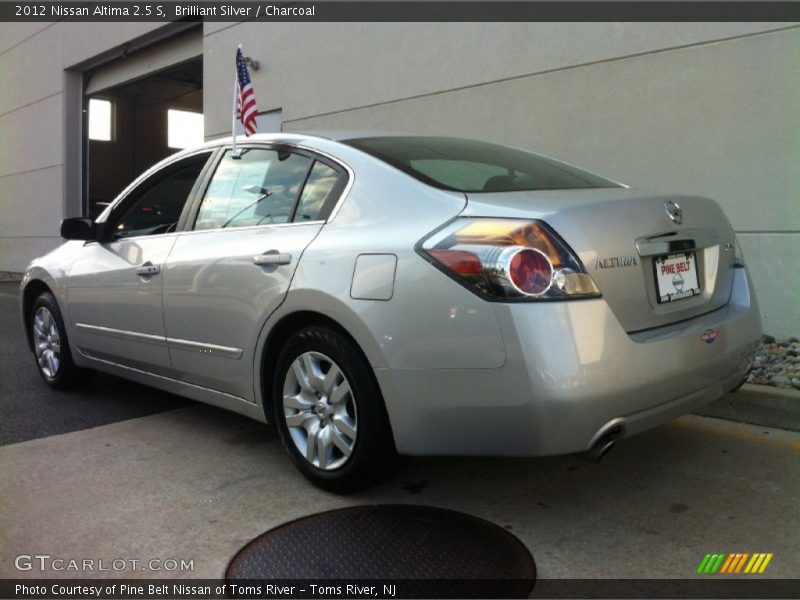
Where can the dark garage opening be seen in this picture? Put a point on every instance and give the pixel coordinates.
(131, 126)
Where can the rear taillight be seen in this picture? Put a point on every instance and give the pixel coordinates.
(509, 259)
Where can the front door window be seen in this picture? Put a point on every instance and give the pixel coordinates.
(156, 205)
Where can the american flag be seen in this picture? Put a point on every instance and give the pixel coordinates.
(246, 98)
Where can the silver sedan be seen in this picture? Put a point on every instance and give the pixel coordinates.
(381, 295)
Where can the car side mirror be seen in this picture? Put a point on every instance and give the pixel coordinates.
(77, 228)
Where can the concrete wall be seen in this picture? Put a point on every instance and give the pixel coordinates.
(710, 109)
(33, 60)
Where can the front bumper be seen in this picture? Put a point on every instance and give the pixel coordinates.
(571, 373)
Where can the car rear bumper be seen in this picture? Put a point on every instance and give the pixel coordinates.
(571, 374)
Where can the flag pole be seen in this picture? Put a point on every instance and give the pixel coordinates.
(233, 117)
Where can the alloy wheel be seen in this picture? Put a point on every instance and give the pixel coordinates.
(47, 342)
(320, 410)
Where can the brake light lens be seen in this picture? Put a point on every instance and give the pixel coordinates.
(458, 261)
(530, 271)
(509, 260)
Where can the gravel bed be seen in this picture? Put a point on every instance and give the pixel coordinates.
(777, 363)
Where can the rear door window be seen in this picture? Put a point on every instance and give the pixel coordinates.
(322, 189)
(259, 187)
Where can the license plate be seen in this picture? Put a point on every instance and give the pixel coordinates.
(676, 276)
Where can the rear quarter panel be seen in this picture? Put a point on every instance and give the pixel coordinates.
(430, 321)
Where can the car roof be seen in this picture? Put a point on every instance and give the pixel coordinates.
(335, 135)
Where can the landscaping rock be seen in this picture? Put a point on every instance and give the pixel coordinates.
(776, 363)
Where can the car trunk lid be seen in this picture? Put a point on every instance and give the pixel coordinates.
(626, 239)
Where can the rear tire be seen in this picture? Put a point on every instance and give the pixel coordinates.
(329, 412)
(51, 347)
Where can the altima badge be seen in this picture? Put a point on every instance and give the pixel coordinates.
(674, 211)
(615, 261)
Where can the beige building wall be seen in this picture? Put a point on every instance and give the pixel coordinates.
(34, 59)
(698, 108)
(710, 108)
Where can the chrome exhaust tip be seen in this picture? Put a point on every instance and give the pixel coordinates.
(603, 445)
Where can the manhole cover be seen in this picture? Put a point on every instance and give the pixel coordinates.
(426, 551)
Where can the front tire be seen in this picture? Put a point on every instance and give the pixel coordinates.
(330, 413)
(51, 348)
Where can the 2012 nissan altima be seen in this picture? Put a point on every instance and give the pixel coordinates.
(376, 295)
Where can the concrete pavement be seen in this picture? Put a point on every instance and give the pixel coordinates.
(196, 483)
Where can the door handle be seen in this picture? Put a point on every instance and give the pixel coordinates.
(148, 269)
(273, 257)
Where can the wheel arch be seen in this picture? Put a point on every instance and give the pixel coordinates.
(283, 327)
(32, 290)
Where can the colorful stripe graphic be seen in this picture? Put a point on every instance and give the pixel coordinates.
(734, 563)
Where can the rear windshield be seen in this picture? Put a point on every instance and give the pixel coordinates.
(471, 166)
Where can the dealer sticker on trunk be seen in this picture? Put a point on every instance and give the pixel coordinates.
(676, 276)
